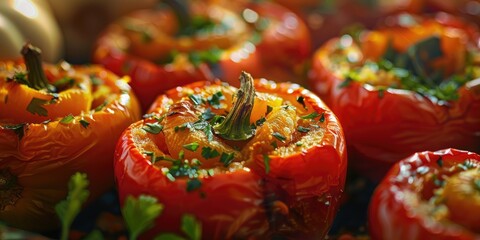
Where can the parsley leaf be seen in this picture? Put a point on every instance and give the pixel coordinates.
(207, 115)
(191, 146)
(227, 158)
(196, 99)
(209, 153)
(67, 119)
(303, 129)
(279, 136)
(18, 129)
(191, 227)
(84, 123)
(215, 99)
(140, 214)
(153, 128)
(312, 115)
(35, 107)
(69, 208)
(193, 184)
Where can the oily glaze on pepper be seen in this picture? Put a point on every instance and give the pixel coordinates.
(266, 161)
(407, 87)
(429, 195)
(56, 120)
(160, 50)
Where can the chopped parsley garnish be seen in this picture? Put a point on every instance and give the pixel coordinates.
(209, 153)
(96, 81)
(152, 156)
(312, 115)
(440, 162)
(18, 129)
(468, 164)
(215, 99)
(207, 114)
(191, 146)
(193, 184)
(322, 118)
(101, 106)
(208, 132)
(153, 128)
(269, 109)
(227, 158)
(279, 136)
(19, 77)
(301, 100)
(196, 99)
(84, 123)
(260, 121)
(212, 55)
(303, 129)
(414, 71)
(36, 107)
(266, 161)
(67, 119)
(65, 81)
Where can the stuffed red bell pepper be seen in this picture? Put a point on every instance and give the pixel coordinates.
(171, 46)
(407, 87)
(429, 195)
(56, 120)
(267, 160)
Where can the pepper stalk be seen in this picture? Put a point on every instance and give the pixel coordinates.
(236, 125)
(36, 76)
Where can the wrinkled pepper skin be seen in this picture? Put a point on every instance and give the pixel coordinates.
(428, 195)
(38, 154)
(274, 44)
(383, 125)
(296, 196)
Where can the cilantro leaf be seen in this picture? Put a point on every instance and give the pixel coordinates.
(36, 107)
(69, 208)
(140, 214)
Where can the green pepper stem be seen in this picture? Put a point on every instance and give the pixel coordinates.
(36, 76)
(236, 125)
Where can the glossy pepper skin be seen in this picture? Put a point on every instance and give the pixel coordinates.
(153, 47)
(384, 124)
(428, 195)
(47, 136)
(280, 181)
